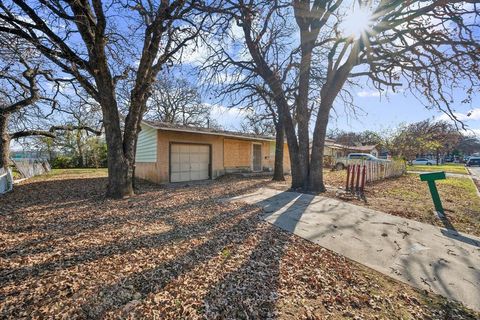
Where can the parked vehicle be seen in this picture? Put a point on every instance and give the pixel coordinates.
(424, 161)
(342, 163)
(473, 161)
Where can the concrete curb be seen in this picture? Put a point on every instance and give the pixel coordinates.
(473, 181)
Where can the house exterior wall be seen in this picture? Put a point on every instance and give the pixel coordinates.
(147, 145)
(237, 155)
(228, 154)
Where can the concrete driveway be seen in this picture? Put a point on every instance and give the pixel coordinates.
(427, 257)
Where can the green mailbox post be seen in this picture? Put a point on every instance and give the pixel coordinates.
(430, 178)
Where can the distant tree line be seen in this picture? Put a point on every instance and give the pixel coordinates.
(411, 140)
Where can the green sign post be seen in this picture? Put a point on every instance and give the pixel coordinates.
(430, 178)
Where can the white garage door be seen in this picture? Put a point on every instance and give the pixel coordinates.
(189, 162)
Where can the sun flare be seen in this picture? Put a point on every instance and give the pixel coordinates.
(357, 22)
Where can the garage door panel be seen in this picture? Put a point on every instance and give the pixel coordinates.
(184, 157)
(175, 157)
(175, 176)
(175, 167)
(185, 176)
(185, 166)
(199, 167)
(189, 162)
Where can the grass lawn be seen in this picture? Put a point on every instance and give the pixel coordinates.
(177, 252)
(90, 172)
(448, 167)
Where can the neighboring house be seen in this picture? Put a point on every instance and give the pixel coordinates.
(337, 150)
(174, 153)
(333, 149)
(365, 149)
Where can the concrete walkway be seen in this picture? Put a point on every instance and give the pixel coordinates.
(422, 255)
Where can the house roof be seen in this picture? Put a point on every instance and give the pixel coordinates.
(192, 129)
(363, 148)
(332, 144)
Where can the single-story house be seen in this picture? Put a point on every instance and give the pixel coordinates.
(337, 150)
(175, 153)
(372, 149)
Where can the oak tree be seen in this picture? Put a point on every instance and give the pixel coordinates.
(101, 43)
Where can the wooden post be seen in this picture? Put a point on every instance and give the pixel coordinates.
(352, 178)
(348, 177)
(357, 183)
(364, 176)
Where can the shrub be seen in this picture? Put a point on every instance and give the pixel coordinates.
(63, 162)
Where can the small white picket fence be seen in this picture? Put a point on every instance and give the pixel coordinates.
(31, 167)
(380, 170)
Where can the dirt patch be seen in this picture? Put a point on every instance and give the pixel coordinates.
(178, 252)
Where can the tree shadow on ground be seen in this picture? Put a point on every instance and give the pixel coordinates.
(251, 291)
(262, 269)
(66, 203)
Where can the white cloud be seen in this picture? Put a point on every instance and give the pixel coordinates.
(377, 93)
(473, 115)
(368, 93)
(229, 118)
(471, 132)
(195, 54)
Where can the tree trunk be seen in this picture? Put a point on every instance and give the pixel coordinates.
(315, 183)
(120, 169)
(328, 93)
(302, 110)
(289, 130)
(81, 163)
(279, 149)
(4, 141)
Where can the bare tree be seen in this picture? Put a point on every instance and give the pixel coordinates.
(27, 87)
(259, 124)
(175, 100)
(264, 119)
(431, 46)
(90, 41)
(424, 137)
(79, 113)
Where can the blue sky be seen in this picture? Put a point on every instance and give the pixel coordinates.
(376, 113)
(380, 113)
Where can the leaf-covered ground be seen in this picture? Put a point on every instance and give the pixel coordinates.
(178, 253)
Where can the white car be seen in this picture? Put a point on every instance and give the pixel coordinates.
(424, 161)
(341, 163)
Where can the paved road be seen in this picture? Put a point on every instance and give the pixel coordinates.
(427, 257)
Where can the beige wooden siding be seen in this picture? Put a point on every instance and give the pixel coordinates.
(237, 153)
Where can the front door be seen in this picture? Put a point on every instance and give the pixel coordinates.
(257, 157)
